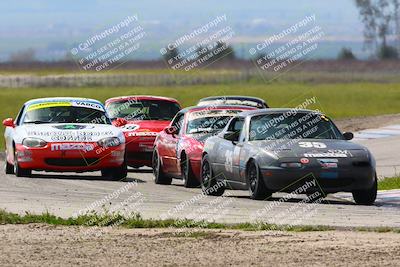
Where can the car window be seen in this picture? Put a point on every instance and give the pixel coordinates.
(51, 113)
(178, 122)
(18, 119)
(236, 125)
(295, 126)
(134, 109)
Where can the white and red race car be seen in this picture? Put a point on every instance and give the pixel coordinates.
(64, 135)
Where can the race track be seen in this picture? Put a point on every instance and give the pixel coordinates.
(68, 194)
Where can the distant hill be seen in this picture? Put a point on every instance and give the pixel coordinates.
(52, 27)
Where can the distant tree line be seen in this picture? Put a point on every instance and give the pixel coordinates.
(381, 19)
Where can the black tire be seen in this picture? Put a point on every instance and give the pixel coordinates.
(8, 168)
(368, 196)
(18, 171)
(115, 174)
(209, 184)
(189, 179)
(257, 188)
(159, 175)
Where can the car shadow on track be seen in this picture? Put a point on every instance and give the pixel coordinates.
(299, 200)
(140, 170)
(82, 177)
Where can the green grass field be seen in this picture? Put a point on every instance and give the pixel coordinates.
(336, 100)
(389, 183)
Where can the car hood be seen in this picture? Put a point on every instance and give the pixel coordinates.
(313, 148)
(69, 132)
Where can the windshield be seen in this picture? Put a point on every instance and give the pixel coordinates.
(134, 109)
(298, 126)
(209, 120)
(65, 114)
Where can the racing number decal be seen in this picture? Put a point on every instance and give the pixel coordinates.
(228, 160)
(312, 145)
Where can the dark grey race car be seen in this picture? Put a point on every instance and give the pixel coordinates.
(273, 150)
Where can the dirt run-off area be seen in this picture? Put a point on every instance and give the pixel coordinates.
(361, 123)
(46, 245)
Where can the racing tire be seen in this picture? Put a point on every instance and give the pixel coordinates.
(366, 197)
(257, 187)
(8, 168)
(159, 175)
(209, 184)
(189, 179)
(115, 174)
(20, 172)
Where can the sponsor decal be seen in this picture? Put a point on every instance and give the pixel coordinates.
(79, 136)
(87, 104)
(213, 113)
(328, 154)
(71, 146)
(328, 163)
(304, 160)
(73, 103)
(143, 134)
(130, 127)
(231, 102)
(76, 138)
(49, 105)
(39, 133)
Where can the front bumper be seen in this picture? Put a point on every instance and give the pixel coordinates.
(64, 160)
(139, 150)
(328, 180)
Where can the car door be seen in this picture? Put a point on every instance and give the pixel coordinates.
(169, 145)
(230, 158)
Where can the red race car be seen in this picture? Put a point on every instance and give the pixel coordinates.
(141, 118)
(178, 149)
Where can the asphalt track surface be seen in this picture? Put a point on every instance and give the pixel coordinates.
(70, 194)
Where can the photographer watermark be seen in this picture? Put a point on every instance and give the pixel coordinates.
(110, 47)
(279, 212)
(290, 46)
(200, 47)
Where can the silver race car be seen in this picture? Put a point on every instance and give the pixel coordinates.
(271, 150)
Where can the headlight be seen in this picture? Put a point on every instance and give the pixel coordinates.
(291, 165)
(34, 142)
(109, 142)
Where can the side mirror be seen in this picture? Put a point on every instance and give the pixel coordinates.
(9, 122)
(119, 122)
(348, 135)
(171, 130)
(231, 136)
